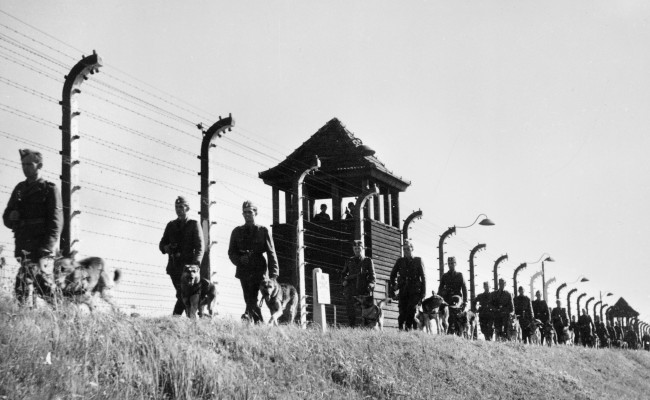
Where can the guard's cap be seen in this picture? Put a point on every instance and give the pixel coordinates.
(30, 156)
(181, 201)
(358, 243)
(249, 204)
(407, 242)
(450, 259)
(502, 280)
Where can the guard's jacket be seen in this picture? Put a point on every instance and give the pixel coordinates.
(523, 308)
(359, 275)
(502, 302)
(411, 280)
(253, 241)
(40, 222)
(540, 310)
(485, 301)
(186, 241)
(559, 316)
(452, 284)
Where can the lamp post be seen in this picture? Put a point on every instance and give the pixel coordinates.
(532, 283)
(300, 242)
(542, 259)
(472, 288)
(514, 276)
(496, 269)
(441, 253)
(578, 302)
(568, 301)
(562, 286)
(600, 295)
(592, 298)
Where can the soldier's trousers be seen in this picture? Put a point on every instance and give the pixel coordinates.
(500, 324)
(251, 288)
(487, 325)
(407, 307)
(179, 307)
(351, 306)
(35, 278)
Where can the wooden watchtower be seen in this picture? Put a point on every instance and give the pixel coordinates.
(348, 168)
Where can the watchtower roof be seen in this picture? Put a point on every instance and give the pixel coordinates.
(344, 158)
(622, 309)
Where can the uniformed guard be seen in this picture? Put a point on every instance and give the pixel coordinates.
(358, 279)
(183, 243)
(248, 244)
(485, 311)
(586, 328)
(408, 277)
(524, 312)
(560, 320)
(452, 283)
(503, 307)
(35, 215)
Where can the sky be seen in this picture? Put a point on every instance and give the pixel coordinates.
(533, 114)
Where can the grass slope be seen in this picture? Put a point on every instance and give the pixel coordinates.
(106, 356)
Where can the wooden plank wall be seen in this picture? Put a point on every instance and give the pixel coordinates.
(327, 245)
(385, 244)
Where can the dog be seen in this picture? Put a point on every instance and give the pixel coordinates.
(80, 281)
(372, 313)
(433, 309)
(197, 294)
(550, 336)
(513, 328)
(280, 298)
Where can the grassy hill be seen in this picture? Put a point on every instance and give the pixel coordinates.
(107, 356)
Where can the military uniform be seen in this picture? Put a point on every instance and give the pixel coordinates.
(611, 332)
(559, 319)
(452, 284)
(503, 307)
(248, 244)
(186, 247)
(603, 336)
(524, 311)
(485, 314)
(358, 279)
(540, 312)
(411, 284)
(585, 326)
(37, 231)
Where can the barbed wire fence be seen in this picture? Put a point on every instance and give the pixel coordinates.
(138, 152)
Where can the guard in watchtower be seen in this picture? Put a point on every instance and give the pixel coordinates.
(407, 276)
(453, 284)
(358, 279)
(35, 215)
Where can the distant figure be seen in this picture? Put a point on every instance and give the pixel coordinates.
(586, 328)
(485, 311)
(408, 277)
(182, 241)
(540, 311)
(349, 211)
(453, 283)
(35, 215)
(358, 279)
(560, 320)
(524, 312)
(503, 307)
(322, 215)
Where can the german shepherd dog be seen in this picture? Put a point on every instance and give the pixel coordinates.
(513, 329)
(197, 293)
(280, 298)
(80, 281)
(372, 313)
(550, 336)
(434, 309)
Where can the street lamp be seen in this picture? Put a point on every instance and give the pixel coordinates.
(441, 253)
(472, 288)
(496, 269)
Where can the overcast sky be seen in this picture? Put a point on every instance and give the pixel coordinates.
(535, 114)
